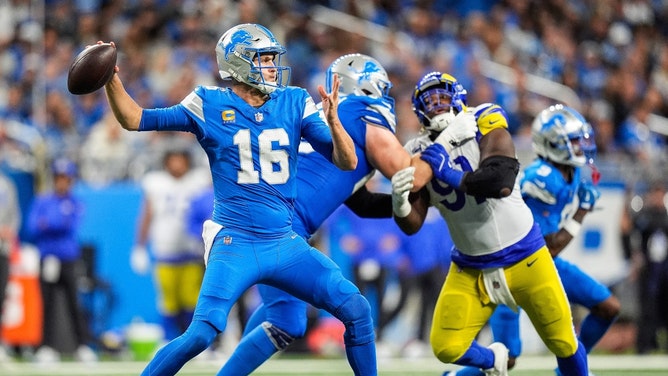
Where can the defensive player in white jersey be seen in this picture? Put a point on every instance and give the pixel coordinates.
(251, 133)
(554, 188)
(176, 258)
(500, 256)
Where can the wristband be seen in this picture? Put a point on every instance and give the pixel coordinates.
(572, 227)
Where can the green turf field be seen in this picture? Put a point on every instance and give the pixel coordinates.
(601, 365)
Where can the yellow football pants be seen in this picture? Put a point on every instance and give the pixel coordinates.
(178, 286)
(463, 307)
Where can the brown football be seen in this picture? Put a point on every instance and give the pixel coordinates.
(91, 69)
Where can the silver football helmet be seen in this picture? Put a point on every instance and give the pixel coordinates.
(562, 135)
(360, 75)
(238, 54)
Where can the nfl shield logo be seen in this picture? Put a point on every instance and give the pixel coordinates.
(259, 116)
(227, 240)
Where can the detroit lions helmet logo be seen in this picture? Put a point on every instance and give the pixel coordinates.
(365, 73)
(242, 37)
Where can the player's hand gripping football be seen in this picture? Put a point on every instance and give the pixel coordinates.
(402, 183)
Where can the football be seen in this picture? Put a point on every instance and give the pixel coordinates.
(91, 69)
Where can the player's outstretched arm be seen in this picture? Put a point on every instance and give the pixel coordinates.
(366, 204)
(343, 155)
(125, 109)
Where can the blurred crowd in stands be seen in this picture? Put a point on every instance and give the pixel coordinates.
(606, 58)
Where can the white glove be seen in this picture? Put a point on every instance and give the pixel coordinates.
(463, 127)
(140, 262)
(402, 183)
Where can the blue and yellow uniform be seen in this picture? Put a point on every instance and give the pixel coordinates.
(500, 256)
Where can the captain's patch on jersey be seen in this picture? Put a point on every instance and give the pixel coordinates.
(228, 116)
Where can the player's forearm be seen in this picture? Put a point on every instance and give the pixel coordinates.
(556, 242)
(411, 223)
(343, 155)
(423, 173)
(125, 109)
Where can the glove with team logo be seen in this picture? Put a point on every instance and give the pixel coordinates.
(439, 160)
(587, 195)
(402, 183)
(462, 128)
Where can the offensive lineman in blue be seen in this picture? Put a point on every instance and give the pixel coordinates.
(559, 198)
(251, 134)
(367, 113)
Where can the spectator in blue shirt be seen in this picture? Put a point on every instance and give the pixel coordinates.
(53, 222)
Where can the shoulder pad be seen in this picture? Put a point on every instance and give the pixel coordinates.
(541, 181)
(490, 116)
(418, 144)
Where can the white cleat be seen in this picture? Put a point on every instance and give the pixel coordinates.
(85, 354)
(47, 355)
(500, 360)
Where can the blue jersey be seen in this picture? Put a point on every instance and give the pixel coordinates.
(252, 151)
(550, 197)
(200, 210)
(323, 187)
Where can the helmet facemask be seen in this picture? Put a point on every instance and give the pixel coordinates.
(437, 99)
(241, 55)
(437, 102)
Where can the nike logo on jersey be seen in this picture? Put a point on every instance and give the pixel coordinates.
(531, 262)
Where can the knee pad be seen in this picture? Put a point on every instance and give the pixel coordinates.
(278, 337)
(355, 313)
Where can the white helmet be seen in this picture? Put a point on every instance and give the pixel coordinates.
(236, 50)
(552, 134)
(360, 75)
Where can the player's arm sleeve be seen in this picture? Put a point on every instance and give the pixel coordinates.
(184, 116)
(495, 173)
(368, 204)
(173, 118)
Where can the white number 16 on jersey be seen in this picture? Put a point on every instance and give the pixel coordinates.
(274, 168)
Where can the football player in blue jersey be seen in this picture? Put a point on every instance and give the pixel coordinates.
(559, 198)
(500, 256)
(367, 113)
(251, 133)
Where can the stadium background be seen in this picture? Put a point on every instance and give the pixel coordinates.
(606, 58)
